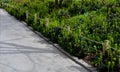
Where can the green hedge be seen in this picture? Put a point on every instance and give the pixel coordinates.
(82, 28)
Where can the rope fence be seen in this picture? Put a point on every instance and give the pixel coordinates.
(86, 38)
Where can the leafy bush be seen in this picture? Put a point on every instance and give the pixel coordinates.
(87, 29)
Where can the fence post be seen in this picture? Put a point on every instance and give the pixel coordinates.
(27, 14)
(35, 18)
(68, 28)
(47, 22)
(106, 45)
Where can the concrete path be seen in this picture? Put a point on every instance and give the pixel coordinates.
(21, 50)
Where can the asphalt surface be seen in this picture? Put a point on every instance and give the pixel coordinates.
(21, 50)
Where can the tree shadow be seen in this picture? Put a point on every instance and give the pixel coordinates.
(18, 49)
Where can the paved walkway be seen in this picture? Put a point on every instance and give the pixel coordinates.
(21, 50)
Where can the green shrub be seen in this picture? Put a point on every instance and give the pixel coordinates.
(80, 27)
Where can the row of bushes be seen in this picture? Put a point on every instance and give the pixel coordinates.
(86, 29)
